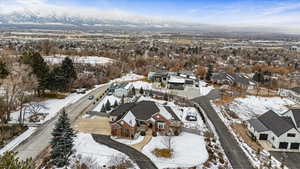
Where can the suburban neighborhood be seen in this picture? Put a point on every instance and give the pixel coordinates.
(149, 84)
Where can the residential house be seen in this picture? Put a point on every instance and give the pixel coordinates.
(176, 82)
(122, 89)
(233, 79)
(158, 76)
(282, 131)
(292, 93)
(129, 119)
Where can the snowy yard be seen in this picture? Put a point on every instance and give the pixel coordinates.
(128, 77)
(204, 88)
(128, 141)
(188, 151)
(251, 106)
(94, 60)
(95, 154)
(111, 99)
(51, 107)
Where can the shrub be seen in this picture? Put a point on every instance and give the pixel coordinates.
(154, 134)
(166, 153)
(176, 133)
(143, 133)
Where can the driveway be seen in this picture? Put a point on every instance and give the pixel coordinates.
(139, 158)
(291, 159)
(39, 141)
(233, 151)
(93, 125)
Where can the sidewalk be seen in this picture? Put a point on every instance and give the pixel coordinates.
(139, 146)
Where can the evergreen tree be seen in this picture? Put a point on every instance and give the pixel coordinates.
(3, 70)
(107, 105)
(209, 73)
(122, 99)
(39, 68)
(116, 103)
(56, 80)
(141, 90)
(11, 161)
(133, 91)
(103, 110)
(150, 93)
(69, 72)
(62, 141)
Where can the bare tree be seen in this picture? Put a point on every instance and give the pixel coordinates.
(168, 141)
(16, 86)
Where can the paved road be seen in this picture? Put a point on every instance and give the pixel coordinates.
(232, 149)
(39, 141)
(141, 160)
(291, 159)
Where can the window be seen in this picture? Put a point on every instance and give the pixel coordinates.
(291, 135)
(161, 125)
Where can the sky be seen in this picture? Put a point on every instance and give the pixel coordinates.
(263, 13)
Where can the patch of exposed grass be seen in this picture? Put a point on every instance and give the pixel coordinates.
(165, 153)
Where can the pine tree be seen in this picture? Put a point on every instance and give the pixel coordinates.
(141, 90)
(107, 105)
(209, 73)
(11, 161)
(116, 103)
(39, 67)
(3, 70)
(133, 91)
(103, 110)
(62, 141)
(68, 70)
(150, 93)
(122, 99)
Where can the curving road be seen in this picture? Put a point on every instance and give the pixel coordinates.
(233, 151)
(39, 141)
(139, 158)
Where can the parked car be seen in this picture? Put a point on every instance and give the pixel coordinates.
(191, 118)
(80, 91)
(91, 97)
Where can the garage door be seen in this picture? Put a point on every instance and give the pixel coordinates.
(295, 146)
(263, 137)
(283, 145)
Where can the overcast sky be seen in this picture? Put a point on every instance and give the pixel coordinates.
(263, 13)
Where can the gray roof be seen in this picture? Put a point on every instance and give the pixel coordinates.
(232, 78)
(296, 90)
(170, 110)
(279, 125)
(143, 110)
(121, 109)
(257, 125)
(296, 114)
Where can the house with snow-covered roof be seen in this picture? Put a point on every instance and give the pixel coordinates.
(292, 93)
(282, 131)
(129, 119)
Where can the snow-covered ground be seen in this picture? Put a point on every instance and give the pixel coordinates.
(128, 77)
(128, 141)
(188, 151)
(51, 107)
(94, 60)
(15, 142)
(96, 154)
(204, 88)
(111, 99)
(251, 106)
